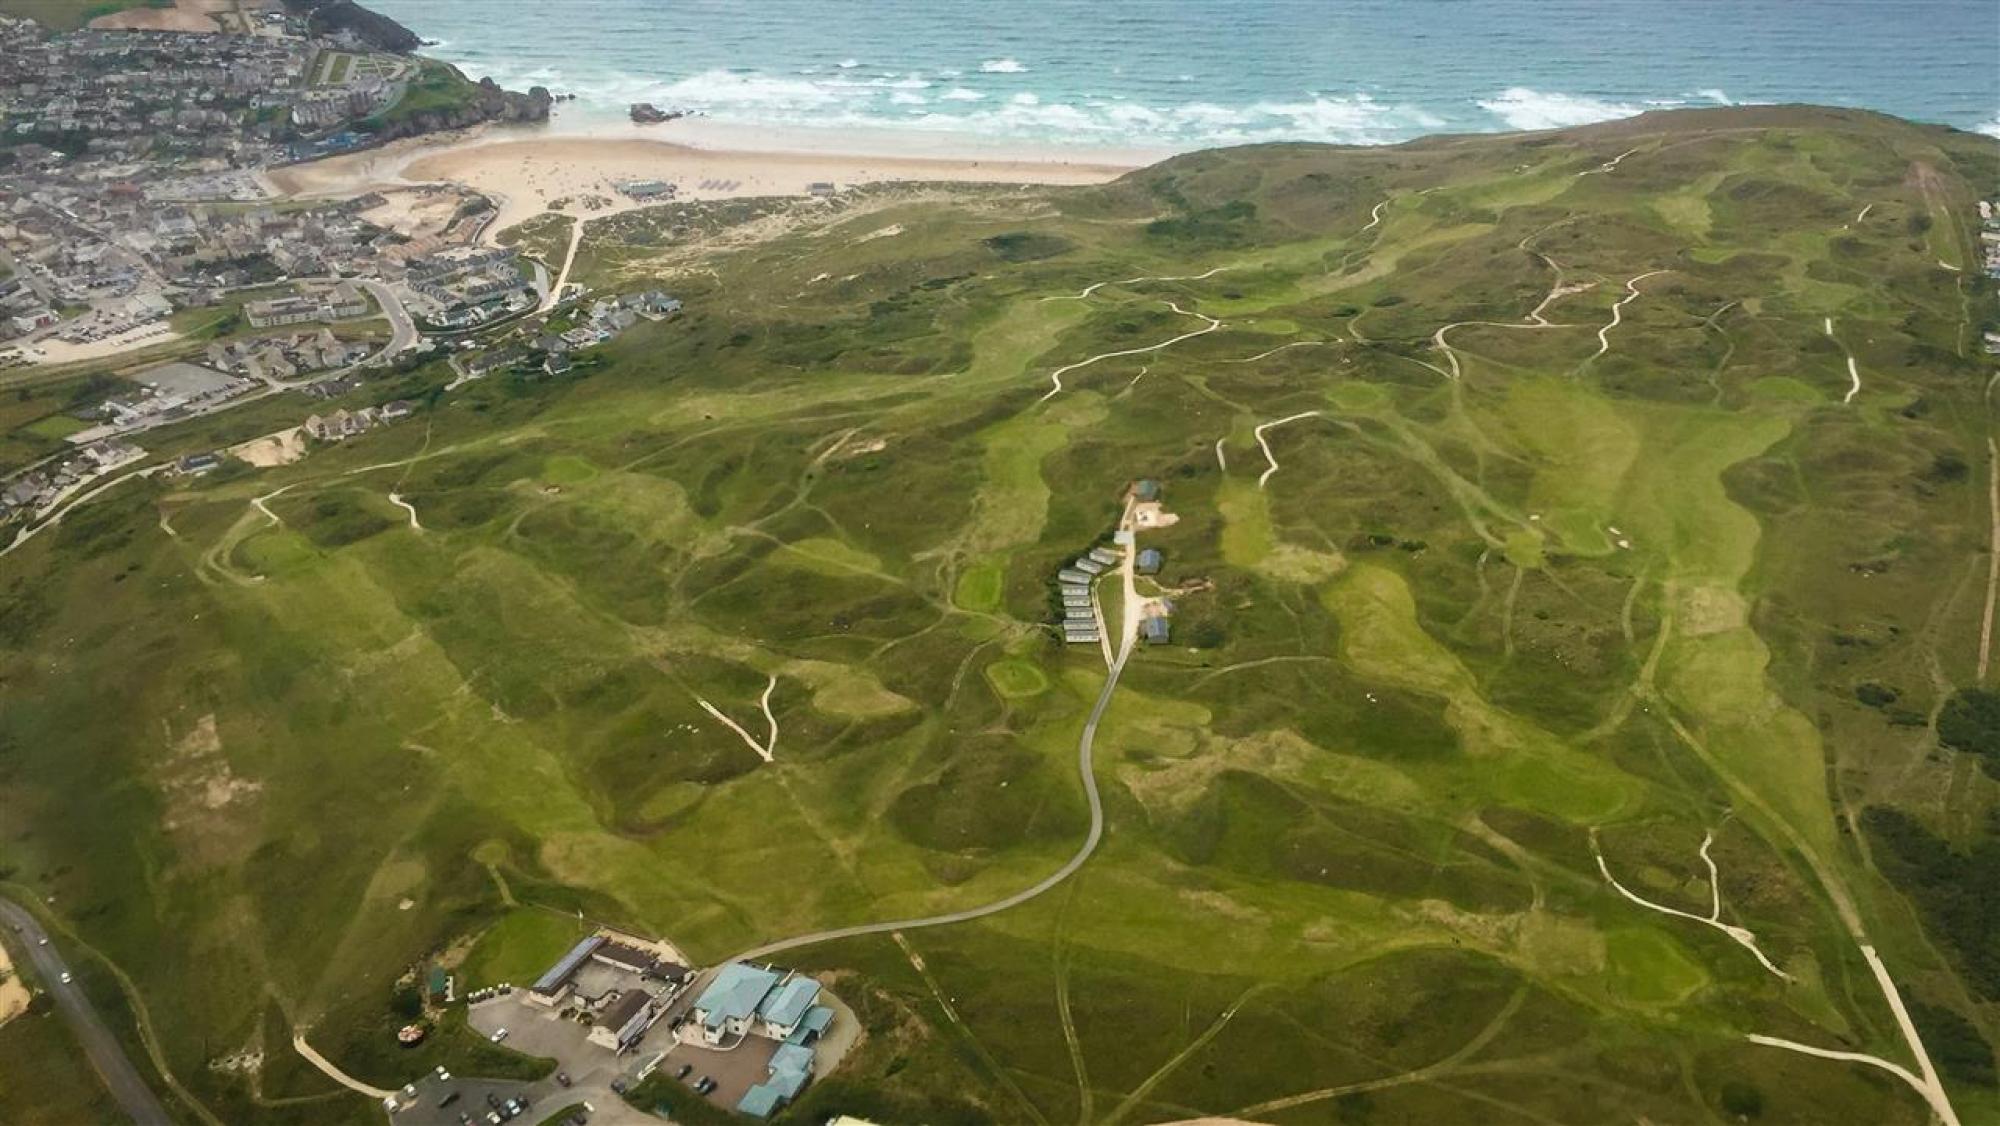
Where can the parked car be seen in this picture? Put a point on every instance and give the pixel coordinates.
(499, 1034)
(562, 1078)
(683, 1072)
(65, 977)
(618, 1085)
(449, 1098)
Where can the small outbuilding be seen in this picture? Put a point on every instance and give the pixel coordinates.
(1149, 561)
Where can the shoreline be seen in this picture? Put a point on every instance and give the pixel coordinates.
(529, 170)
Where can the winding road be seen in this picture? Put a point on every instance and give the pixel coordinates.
(1266, 446)
(1618, 311)
(1853, 369)
(1055, 377)
(106, 1055)
(1085, 770)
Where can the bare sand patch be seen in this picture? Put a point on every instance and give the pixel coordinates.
(422, 212)
(1711, 609)
(281, 448)
(207, 811)
(13, 995)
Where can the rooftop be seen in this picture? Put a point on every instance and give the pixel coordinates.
(735, 993)
(559, 973)
(789, 1003)
(628, 1005)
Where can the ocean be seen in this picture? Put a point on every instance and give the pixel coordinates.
(1157, 74)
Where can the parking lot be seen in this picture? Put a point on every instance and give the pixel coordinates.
(734, 1071)
(537, 1031)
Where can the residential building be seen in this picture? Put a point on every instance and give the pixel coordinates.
(338, 303)
(340, 425)
(1148, 562)
(627, 1019)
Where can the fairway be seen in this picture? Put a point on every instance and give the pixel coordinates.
(1548, 652)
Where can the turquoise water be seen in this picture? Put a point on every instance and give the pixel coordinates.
(1186, 75)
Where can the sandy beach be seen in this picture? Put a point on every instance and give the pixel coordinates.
(529, 172)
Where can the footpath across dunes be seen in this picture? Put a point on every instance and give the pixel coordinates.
(1543, 726)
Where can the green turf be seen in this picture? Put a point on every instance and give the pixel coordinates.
(1467, 627)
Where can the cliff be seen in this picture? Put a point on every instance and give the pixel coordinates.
(466, 104)
(332, 17)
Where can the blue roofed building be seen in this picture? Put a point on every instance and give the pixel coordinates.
(1146, 489)
(1154, 629)
(1149, 561)
(731, 1001)
(791, 1069)
(786, 1006)
(811, 1026)
(760, 1101)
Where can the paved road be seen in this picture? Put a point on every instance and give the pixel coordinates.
(106, 1054)
(1090, 842)
(403, 331)
(1083, 852)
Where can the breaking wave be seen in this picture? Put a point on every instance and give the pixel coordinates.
(1522, 108)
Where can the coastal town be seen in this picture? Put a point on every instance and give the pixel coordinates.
(134, 172)
(138, 218)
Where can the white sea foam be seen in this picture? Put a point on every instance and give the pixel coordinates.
(1522, 108)
(848, 64)
(1716, 96)
(961, 94)
(1003, 66)
(906, 98)
(1991, 128)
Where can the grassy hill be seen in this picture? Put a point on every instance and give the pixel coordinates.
(1584, 555)
(68, 15)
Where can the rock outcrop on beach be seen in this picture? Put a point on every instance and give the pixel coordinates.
(334, 17)
(646, 113)
(488, 103)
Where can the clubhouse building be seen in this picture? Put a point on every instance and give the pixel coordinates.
(746, 1001)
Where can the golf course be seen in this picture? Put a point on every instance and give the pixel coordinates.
(1577, 706)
